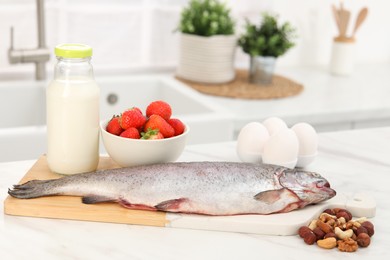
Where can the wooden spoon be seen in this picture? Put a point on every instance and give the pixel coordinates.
(336, 17)
(344, 20)
(359, 20)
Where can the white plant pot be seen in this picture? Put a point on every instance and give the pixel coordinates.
(207, 59)
(261, 69)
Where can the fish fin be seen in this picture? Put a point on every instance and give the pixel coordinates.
(171, 205)
(92, 199)
(269, 196)
(128, 205)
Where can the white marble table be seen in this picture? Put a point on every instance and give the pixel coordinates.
(352, 161)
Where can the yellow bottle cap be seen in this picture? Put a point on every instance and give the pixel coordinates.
(73, 50)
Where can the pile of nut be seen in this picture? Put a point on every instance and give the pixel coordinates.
(336, 228)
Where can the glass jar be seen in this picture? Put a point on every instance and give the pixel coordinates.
(72, 104)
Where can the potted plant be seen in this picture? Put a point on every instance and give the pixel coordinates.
(265, 44)
(207, 42)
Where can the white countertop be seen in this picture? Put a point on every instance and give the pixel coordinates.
(328, 102)
(353, 161)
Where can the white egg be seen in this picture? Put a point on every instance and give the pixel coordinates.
(282, 149)
(308, 143)
(307, 137)
(250, 142)
(274, 124)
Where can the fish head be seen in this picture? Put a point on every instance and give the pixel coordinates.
(310, 187)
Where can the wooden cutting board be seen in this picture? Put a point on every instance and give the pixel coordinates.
(69, 207)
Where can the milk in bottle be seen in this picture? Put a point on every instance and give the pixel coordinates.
(72, 100)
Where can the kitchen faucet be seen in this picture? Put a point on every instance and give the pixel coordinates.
(39, 55)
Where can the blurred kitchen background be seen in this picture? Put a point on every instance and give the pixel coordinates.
(139, 35)
(131, 38)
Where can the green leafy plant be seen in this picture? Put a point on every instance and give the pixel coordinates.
(206, 18)
(269, 39)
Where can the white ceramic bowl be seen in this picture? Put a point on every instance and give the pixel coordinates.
(128, 152)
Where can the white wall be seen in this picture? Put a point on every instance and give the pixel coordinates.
(134, 35)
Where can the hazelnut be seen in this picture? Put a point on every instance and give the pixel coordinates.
(370, 228)
(345, 215)
(363, 240)
(310, 238)
(319, 233)
(303, 230)
(336, 210)
(360, 230)
(367, 224)
(331, 234)
(329, 211)
(349, 214)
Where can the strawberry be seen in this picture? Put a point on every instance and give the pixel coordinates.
(138, 109)
(131, 132)
(152, 135)
(160, 108)
(177, 125)
(114, 126)
(132, 118)
(157, 122)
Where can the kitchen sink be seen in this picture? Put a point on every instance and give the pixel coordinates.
(23, 110)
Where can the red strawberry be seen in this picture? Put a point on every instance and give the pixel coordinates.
(177, 125)
(157, 122)
(160, 108)
(138, 109)
(132, 118)
(131, 132)
(114, 126)
(152, 135)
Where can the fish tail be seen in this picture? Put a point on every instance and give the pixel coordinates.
(32, 189)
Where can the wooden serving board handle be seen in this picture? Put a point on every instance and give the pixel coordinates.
(68, 207)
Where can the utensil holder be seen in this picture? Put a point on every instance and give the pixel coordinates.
(342, 59)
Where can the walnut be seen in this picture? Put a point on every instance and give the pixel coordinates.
(347, 245)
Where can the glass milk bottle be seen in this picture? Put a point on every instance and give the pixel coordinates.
(72, 101)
